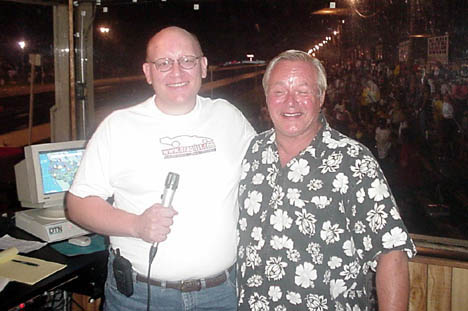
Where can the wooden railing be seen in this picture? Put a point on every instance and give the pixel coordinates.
(439, 275)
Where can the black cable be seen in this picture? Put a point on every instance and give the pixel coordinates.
(152, 254)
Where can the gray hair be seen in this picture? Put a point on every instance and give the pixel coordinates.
(296, 55)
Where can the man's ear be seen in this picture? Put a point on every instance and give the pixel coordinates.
(322, 99)
(147, 71)
(204, 66)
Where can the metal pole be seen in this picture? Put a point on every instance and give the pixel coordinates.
(31, 103)
(72, 70)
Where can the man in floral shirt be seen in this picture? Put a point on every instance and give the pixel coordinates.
(317, 214)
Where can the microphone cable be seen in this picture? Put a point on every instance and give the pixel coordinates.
(152, 254)
(170, 186)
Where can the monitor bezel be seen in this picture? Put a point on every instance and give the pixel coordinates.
(32, 158)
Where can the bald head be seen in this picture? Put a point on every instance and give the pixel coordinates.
(169, 32)
(177, 86)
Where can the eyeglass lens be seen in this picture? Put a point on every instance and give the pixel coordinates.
(165, 64)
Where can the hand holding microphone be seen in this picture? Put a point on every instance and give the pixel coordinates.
(157, 219)
(170, 186)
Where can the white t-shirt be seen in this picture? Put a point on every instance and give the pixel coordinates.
(129, 157)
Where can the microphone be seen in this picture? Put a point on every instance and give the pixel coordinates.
(170, 186)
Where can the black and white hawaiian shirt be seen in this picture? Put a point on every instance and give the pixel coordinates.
(310, 232)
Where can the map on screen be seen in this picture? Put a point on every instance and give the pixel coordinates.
(58, 169)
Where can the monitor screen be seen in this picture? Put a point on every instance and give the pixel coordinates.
(58, 169)
(46, 173)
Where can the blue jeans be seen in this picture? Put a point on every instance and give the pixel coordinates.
(219, 298)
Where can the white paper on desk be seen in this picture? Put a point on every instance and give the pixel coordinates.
(3, 282)
(23, 246)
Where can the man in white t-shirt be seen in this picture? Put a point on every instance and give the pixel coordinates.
(129, 157)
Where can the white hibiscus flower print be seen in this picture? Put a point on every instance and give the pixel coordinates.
(280, 220)
(293, 255)
(349, 248)
(364, 167)
(367, 241)
(254, 281)
(358, 169)
(377, 217)
(311, 150)
(332, 163)
(316, 302)
(275, 293)
(378, 190)
(315, 184)
(372, 166)
(396, 237)
(242, 189)
(340, 183)
(281, 308)
(252, 257)
(241, 295)
(252, 202)
(298, 170)
(263, 216)
(330, 233)
(314, 250)
(256, 145)
(271, 177)
(334, 262)
(359, 227)
(274, 268)
(258, 302)
(293, 298)
(294, 196)
(281, 242)
(242, 224)
(277, 197)
(268, 156)
(341, 207)
(337, 287)
(360, 195)
(258, 179)
(333, 143)
(353, 151)
(326, 276)
(339, 306)
(245, 168)
(395, 214)
(305, 275)
(321, 201)
(255, 165)
(256, 233)
(305, 222)
(351, 271)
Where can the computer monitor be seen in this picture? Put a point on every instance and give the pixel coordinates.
(47, 172)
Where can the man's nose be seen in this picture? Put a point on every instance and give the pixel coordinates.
(290, 99)
(176, 69)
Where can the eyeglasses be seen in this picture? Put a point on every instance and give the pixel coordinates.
(185, 62)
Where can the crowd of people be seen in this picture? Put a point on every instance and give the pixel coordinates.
(377, 103)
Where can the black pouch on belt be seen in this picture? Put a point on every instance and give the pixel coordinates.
(123, 274)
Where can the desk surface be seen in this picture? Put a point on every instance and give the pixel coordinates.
(16, 293)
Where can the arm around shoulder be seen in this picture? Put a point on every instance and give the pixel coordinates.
(392, 281)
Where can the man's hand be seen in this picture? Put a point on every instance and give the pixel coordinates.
(154, 224)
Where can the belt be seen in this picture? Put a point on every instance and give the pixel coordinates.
(189, 285)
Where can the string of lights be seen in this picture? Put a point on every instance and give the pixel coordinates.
(322, 43)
